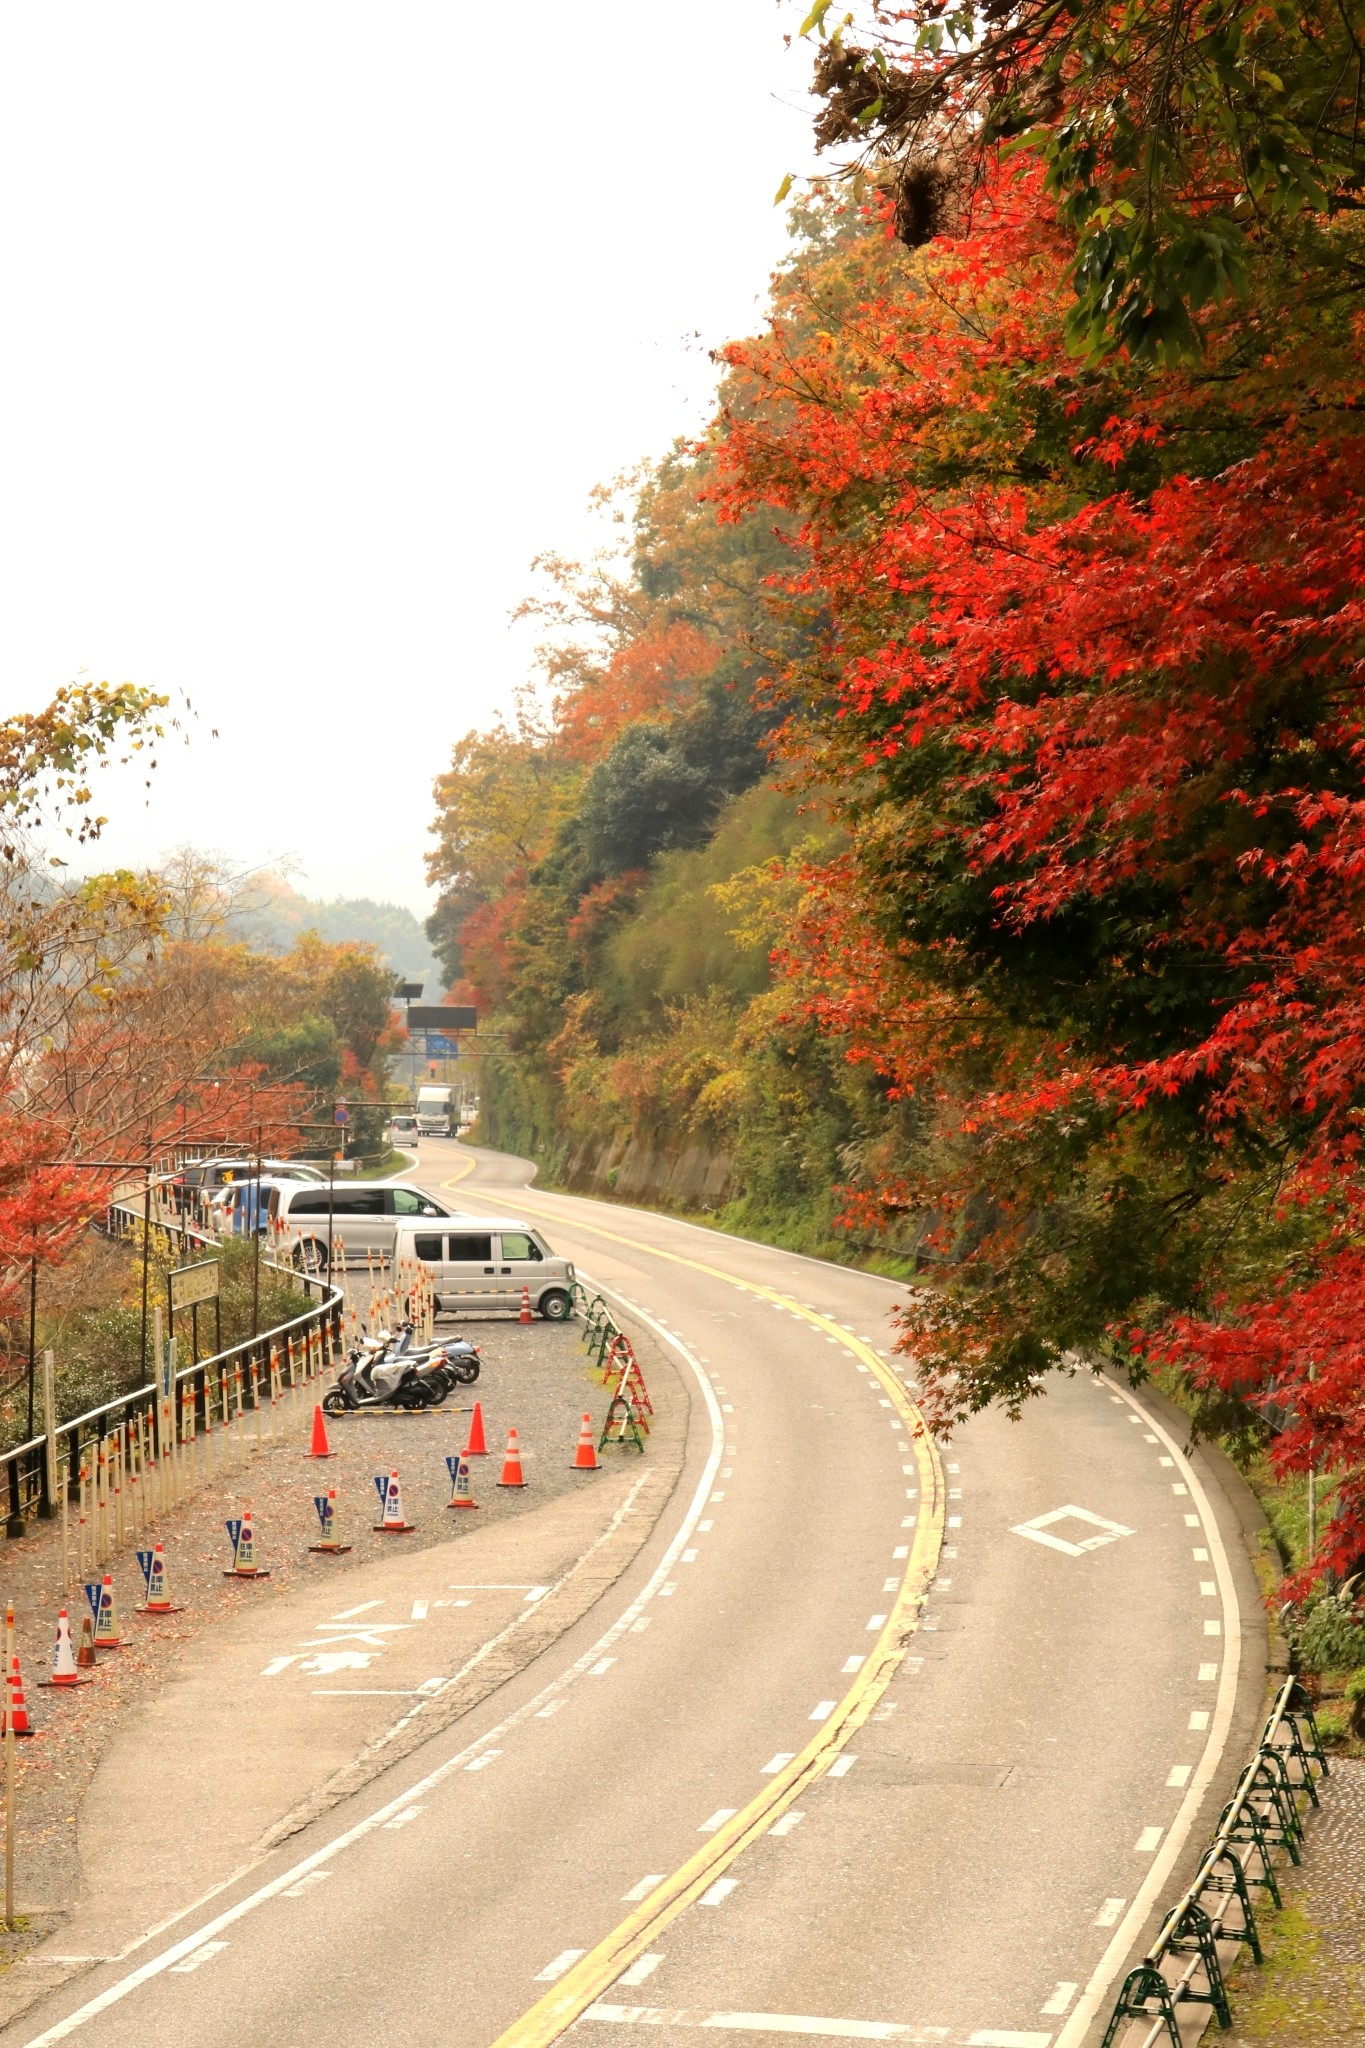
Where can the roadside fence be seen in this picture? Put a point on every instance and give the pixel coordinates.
(107, 1474)
(611, 1353)
(1206, 1931)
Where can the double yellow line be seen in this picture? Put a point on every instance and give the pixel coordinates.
(598, 1970)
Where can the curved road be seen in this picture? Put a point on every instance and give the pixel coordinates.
(761, 1788)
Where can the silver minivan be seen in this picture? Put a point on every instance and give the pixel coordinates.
(364, 1217)
(479, 1262)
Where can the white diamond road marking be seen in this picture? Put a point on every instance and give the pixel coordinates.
(1040, 1530)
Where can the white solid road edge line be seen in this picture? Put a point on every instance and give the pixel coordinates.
(1088, 2005)
(61, 2029)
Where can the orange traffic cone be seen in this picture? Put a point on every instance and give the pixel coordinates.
(64, 1671)
(85, 1655)
(319, 1448)
(511, 1464)
(525, 1316)
(585, 1458)
(476, 1447)
(18, 1711)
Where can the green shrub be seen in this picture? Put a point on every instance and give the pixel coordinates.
(1327, 1633)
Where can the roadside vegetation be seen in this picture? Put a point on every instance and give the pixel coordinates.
(135, 1023)
(91, 1318)
(943, 806)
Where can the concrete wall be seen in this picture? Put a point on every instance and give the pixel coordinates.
(689, 1177)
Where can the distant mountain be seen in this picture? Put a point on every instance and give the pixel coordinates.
(272, 917)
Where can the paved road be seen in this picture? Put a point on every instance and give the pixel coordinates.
(1004, 1783)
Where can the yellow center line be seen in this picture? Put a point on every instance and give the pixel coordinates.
(598, 1970)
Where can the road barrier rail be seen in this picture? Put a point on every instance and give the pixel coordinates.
(611, 1353)
(1215, 1918)
(147, 1449)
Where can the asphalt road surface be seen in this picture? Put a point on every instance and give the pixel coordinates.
(762, 1787)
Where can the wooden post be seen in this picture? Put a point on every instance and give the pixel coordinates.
(49, 1504)
(9, 1766)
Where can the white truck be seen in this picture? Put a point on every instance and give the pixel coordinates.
(437, 1113)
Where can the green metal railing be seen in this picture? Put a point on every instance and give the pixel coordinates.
(1264, 1817)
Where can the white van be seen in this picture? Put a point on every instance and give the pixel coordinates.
(364, 1217)
(481, 1262)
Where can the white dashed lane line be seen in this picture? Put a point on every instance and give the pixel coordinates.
(565, 1960)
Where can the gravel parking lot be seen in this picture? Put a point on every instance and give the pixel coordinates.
(533, 1378)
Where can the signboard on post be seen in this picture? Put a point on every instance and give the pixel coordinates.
(191, 1284)
(442, 1017)
(441, 1047)
(186, 1287)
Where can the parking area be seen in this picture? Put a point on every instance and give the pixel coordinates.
(534, 1378)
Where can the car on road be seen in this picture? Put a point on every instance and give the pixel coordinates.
(403, 1128)
(360, 1217)
(479, 1262)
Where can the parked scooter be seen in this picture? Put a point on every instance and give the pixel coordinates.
(379, 1373)
(461, 1357)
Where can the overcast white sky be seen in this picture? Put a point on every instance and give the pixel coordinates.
(321, 321)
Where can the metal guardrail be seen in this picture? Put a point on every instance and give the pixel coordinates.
(33, 1476)
(1184, 1967)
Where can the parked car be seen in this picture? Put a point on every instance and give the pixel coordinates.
(201, 1177)
(233, 1207)
(478, 1263)
(364, 1216)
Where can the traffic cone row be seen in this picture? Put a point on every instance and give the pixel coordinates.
(100, 1627)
